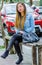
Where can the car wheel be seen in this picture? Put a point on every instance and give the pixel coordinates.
(37, 30)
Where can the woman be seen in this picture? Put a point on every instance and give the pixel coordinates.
(24, 23)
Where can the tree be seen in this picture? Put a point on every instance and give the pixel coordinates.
(2, 4)
(11, 1)
(31, 2)
(1, 25)
(6, 0)
(40, 2)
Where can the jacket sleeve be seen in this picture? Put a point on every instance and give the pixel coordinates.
(31, 23)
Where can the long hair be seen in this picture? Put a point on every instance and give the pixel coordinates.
(18, 16)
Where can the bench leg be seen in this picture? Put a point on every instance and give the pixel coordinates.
(40, 55)
(20, 47)
(12, 49)
(34, 55)
(6, 43)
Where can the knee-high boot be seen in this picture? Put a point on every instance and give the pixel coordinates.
(17, 48)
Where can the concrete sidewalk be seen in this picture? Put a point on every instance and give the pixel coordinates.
(1, 42)
(12, 58)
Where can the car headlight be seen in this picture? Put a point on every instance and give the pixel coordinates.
(12, 28)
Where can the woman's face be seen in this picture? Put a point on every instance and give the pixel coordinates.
(20, 8)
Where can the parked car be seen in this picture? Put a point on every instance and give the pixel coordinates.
(8, 14)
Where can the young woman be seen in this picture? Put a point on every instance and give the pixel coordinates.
(24, 23)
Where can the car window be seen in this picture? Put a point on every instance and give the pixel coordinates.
(40, 9)
(11, 9)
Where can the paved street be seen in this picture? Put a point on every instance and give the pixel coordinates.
(11, 59)
(1, 42)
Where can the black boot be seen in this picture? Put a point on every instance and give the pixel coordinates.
(20, 59)
(5, 54)
(18, 50)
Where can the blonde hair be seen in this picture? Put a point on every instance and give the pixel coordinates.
(18, 16)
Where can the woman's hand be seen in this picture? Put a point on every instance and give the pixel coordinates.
(21, 32)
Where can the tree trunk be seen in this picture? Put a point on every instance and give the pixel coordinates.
(1, 5)
(40, 2)
(31, 2)
(11, 1)
(6, 0)
(1, 25)
(0, 10)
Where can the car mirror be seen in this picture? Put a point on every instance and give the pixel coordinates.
(3, 15)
